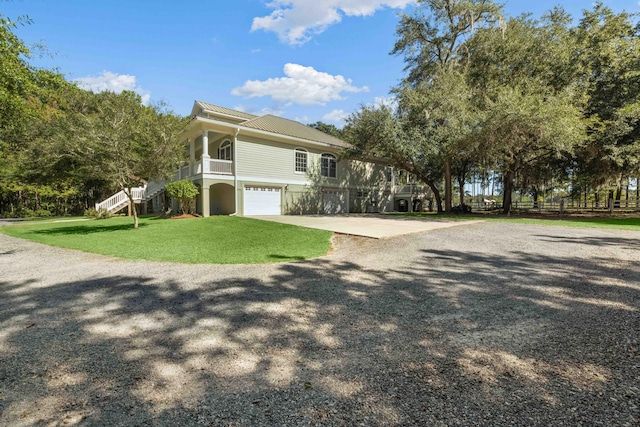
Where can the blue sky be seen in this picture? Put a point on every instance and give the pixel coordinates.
(307, 60)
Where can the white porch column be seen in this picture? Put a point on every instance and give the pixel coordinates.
(205, 200)
(205, 151)
(235, 170)
(192, 155)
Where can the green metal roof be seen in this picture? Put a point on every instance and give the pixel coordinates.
(210, 108)
(273, 124)
(292, 128)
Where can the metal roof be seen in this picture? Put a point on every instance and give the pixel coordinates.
(273, 124)
(292, 128)
(210, 108)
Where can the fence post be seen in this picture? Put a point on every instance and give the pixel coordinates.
(561, 206)
(611, 205)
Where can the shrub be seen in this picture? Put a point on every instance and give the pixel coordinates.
(101, 213)
(183, 191)
(42, 213)
(461, 209)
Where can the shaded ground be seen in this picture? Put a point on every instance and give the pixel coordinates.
(483, 324)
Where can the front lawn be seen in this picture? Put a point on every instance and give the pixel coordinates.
(45, 219)
(213, 240)
(565, 221)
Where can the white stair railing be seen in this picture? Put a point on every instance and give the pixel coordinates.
(120, 199)
(153, 188)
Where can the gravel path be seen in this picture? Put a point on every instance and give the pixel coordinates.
(484, 324)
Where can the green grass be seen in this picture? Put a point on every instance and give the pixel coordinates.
(213, 240)
(578, 222)
(48, 219)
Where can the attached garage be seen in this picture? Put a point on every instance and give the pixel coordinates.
(262, 201)
(335, 201)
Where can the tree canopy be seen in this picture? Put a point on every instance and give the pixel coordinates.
(529, 100)
(63, 148)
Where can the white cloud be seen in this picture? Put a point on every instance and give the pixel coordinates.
(336, 116)
(295, 21)
(302, 85)
(108, 81)
(389, 101)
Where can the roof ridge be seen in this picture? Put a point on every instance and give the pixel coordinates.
(241, 114)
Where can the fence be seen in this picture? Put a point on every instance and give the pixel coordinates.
(561, 205)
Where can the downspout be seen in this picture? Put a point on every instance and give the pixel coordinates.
(235, 169)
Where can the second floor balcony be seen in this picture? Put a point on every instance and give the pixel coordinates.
(205, 167)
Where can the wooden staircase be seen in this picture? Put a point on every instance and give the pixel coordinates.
(120, 200)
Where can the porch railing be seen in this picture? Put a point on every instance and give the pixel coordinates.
(222, 167)
(211, 166)
(183, 172)
(411, 189)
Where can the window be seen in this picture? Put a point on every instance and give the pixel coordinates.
(224, 152)
(300, 158)
(328, 166)
(389, 173)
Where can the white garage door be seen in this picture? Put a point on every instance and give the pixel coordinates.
(335, 202)
(261, 201)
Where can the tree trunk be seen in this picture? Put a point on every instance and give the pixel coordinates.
(508, 189)
(461, 184)
(618, 188)
(626, 194)
(586, 198)
(434, 189)
(448, 196)
(493, 183)
(436, 194)
(135, 215)
(534, 194)
(134, 211)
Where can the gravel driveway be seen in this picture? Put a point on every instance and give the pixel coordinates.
(485, 324)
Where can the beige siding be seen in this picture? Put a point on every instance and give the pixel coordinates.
(302, 200)
(363, 174)
(265, 159)
(274, 160)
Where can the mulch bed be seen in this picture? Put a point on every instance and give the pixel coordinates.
(183, 216)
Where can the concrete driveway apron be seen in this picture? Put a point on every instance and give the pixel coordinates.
(372, 225)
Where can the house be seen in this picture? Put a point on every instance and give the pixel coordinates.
(267, 165)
